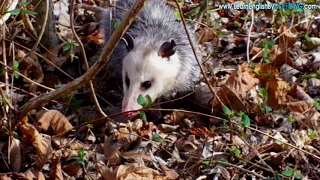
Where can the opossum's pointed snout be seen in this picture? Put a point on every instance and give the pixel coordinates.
(129, 114)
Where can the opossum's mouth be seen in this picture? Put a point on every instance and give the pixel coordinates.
(130, 114)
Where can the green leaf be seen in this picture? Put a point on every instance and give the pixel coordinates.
(115, 23)
(79, 160)
(26, 3)
(66, 47)
(82, 153)
(237, 152)
(264, 93)
(157, 138)
(15, 74)
(276, 175)
(177, 14)
(245, 120)
(75, 43)
(148, 100)
(311, 134)
(15, 65)
(220, 33)
(141, 101)
(237, 24)
(15, 11)
(297, 175)
(288, 172)
(28, 12)
(226, 110)
(142, 115)
(307, 37)
(244, 18)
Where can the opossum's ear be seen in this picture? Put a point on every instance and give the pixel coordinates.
(167, 49)
(129, 41)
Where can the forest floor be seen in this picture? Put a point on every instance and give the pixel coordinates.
(254, 115)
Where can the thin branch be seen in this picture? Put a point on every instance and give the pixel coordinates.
(84, 56)
(44, 24)
(195, 54)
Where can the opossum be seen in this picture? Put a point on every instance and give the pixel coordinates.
(155, 57)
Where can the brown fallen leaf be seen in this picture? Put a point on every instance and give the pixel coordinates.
(53, 54)
(30, 67)
(282, 59)
(41, 143)
(236, 89)
(129, 172)
(277, 92)
(12, 176)
(54, 119)
(15, 154)
(288, 39)
(34, 174)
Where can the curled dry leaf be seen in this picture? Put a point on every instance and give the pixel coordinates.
(52, 55)
(40, 143)
(54, 119)
(30, 67)
(235, 90)
(282, 59)
(129, 172)
(170, 174)
(12, 176)
(277, 91)
(288, 39)
(56, 167)
(34, 174)
(15, 154)
(111, 150)
(174, 117)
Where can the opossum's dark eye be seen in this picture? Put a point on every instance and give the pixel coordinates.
(146, 85)
(127, 81)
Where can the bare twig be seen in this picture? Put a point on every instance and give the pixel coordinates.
(249, 34)
(195, 54)
(84, 56)
(94, 70)
(44, 24)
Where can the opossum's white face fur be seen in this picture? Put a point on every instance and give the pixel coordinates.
(148, 72)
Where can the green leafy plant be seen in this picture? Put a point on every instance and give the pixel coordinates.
(265, 108)
(245, 120)
(313, 75)
(264, 93)
(177, 14)
(15, 69)
(69, 44)
(157, 138)
(237, 24)
(316, 103)
(267, 45)
(80, 158)
(115, 23)
(21, 11)
(312, 134)
(144, 102)
(290, 172)
(291, 118)
(234, 150)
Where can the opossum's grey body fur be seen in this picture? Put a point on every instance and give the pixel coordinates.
(155, 24)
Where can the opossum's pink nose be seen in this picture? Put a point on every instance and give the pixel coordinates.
(130, 114)
(125, 108)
